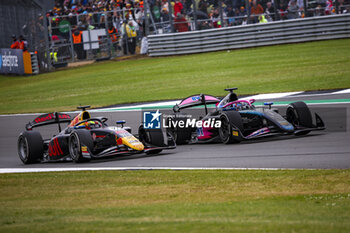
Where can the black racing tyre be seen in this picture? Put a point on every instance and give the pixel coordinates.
(229, 121)
(77, 139)
(30, 147)
(153, 137)
(299, 115)
(181, 136)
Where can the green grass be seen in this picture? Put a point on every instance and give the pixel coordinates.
(294, 67)
(176, 201)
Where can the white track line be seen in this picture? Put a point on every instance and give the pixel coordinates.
(342, 91)
(322, 94)
(272, 95)
(26, 170)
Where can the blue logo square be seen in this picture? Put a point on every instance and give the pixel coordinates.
(152, 120)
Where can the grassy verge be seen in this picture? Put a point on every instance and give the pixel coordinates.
(295, 67)
(176, 201)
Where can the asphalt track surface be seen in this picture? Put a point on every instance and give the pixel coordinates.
(320, 149)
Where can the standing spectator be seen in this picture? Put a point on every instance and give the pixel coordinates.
(125, 38)
(72, 19)
(215, 18)
(129, 37)
(242, 11)
(238, 19)
(15, 42)
(342, 8)
(329, 7)
(178, 7)
(203, 6)
(78, 45)
(300, 4)
(132, 37)
(293, 10)
(165, 15)
(23, 43)
(139, 13)
(180, 24)
(113, 35)
(318, 11)
(101, 23)
(187, 6)
(262, 19)
(156, 11)
(165, 19)
(245, 20)
(255, 11)
(270, 11)
(282, 11)
(230, 14)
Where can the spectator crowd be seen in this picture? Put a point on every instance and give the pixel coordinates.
(125, 23)
(209, 13)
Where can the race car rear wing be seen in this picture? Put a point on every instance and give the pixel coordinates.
(196, 100)
(48, 119)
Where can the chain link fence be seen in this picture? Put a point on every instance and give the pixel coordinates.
(192, 15)
(94, 36)
(26, 18)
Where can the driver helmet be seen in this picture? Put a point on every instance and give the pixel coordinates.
(91, 124)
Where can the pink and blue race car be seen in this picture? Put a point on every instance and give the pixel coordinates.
(233, 120)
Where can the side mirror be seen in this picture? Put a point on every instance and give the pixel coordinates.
(122, 122)
(231, 89)
(176, 108)
(269, 104)
(83, 108)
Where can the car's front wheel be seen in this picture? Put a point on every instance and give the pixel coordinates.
(183, 135)
(299, 115)
(152, 137)
(229, 121)
(80, 146)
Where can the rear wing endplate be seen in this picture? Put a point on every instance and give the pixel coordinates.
(48, 119)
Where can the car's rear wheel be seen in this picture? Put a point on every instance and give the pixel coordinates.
(30, 147)
(77, 140)
(229, 121)
(299, 115)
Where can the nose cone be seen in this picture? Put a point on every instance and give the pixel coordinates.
(133, 143)
(288, 127)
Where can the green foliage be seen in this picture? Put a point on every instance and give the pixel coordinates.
(294, 67)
